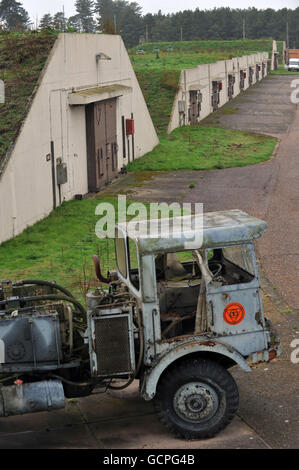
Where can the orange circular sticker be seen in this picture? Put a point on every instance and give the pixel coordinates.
(234, 314)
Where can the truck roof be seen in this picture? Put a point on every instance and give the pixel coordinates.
(219, 229)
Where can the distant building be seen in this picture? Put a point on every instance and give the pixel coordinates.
(87, 120)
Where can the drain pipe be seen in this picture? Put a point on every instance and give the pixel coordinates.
(53, 175)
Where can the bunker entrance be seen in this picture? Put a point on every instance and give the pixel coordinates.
(102, 146)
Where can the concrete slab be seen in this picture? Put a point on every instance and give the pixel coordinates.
(147, 433)
(69, 417)
(74, 437)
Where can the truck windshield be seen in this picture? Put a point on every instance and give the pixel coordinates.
(121, 252)
(133, 264)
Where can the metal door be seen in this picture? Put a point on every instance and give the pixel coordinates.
(195, 106)
(251, 73)
(231, 81)
(242, 80)
(215, 95)
(101, 143)
(257, 73)
(263, 69)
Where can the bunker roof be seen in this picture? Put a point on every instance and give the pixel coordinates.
(22, 59)
(219, 229)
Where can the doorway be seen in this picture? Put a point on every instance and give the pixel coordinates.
(102, 148)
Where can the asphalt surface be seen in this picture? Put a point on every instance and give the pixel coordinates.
(269, 414)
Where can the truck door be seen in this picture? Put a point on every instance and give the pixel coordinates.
(234, 303)
(251, 73)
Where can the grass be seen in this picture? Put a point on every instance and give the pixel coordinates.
(206, 148)
(22, 57)
(158, 74)
(283, 71)
(60, 247)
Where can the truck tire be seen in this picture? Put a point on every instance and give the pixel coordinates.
(197, 399)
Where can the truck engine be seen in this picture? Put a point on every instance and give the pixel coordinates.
(50, 345)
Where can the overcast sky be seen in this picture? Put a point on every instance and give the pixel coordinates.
(39, 8)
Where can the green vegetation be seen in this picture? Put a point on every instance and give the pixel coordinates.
(22, 57)
(205, 148)
(283, 71)
(188, 54)
(159, 89)
(59, 247)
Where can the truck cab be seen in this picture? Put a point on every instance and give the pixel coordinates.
(175, 316)
(293, 65)
(201, 313)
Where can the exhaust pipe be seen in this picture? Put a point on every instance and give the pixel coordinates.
(34, 397)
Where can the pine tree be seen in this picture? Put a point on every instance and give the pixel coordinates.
(74, 23)
(46, 22)
(59, 21)
(105, 10)
(13, 15)
(85, 10)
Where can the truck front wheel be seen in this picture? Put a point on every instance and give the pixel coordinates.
(197, 399)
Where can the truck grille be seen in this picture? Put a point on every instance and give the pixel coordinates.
(112, 341)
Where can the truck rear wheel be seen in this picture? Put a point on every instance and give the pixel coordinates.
(197, 399)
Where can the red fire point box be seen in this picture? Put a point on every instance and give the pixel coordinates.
(130, 127)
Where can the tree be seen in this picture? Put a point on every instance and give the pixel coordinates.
(85, 9)
(120, 17)
(106, 11)
(74, 23)
(13, 15)
(59, 21)
(46, 22)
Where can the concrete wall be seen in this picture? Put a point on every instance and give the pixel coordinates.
(201, 78)
(274, 51)
(26, 194)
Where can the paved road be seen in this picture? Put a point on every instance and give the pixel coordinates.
(268, 416)
(118, 420)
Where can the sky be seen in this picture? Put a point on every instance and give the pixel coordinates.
(37, 8)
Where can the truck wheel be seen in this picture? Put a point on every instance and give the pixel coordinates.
(197, 399)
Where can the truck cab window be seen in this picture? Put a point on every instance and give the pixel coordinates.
(120, 251)
(236, 265)
(133, 264)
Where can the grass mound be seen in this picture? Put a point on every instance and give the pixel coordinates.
(22, 57)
